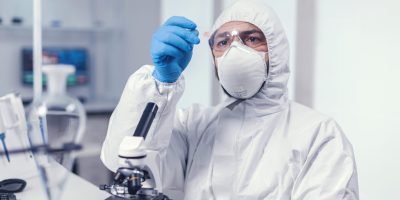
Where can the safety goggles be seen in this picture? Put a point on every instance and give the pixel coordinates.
(221, 41)
(12, 185)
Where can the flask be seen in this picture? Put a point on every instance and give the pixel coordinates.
(54, 120)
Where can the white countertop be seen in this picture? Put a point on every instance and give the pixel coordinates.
(75, 188)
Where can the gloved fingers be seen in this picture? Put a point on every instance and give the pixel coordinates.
(188, 35)
(180, 22)
(172, 46)
(173, 39)
(160, 50)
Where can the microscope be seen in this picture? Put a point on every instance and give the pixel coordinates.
(134, 180)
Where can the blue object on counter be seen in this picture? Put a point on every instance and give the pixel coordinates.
(3, 141)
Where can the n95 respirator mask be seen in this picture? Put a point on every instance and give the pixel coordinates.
(242, 70)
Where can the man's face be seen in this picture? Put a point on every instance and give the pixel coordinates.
(245, 32)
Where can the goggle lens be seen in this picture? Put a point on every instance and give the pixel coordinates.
(221, 41)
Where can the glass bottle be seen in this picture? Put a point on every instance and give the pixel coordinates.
(56, 119)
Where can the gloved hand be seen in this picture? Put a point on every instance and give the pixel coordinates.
(171, 48)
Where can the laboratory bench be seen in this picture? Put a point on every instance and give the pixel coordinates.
(75, 188)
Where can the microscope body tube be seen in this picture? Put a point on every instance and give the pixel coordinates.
(146, 120)
(132, 148)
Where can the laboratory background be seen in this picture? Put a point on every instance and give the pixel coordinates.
(344, 63)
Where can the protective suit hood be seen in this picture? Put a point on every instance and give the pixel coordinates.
(273, 96)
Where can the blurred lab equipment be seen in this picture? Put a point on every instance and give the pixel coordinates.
(56, 119)
(17, 21)
(66, 148)
(3, 142)
(12, 117)
(12, 185)
(7, 196)
(61, 118)
(13, 135)
(134, 179)
(76, 56)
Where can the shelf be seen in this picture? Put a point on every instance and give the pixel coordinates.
(60, 29)
(91, 106)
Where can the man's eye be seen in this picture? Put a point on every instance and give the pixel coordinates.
(253, 39)
(222, 43)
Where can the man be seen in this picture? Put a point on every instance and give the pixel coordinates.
(256, 144)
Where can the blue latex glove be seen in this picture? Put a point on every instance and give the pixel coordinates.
(171, 48)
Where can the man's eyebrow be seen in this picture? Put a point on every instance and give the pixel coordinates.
(248, 32)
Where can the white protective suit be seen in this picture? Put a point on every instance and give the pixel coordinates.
(265, 147)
